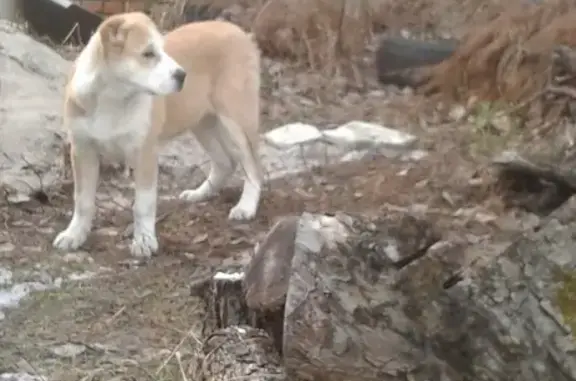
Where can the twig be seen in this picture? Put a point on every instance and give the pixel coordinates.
(175, 350)
(69, 35)
(563, 90)
(116, 314)
(179, 360)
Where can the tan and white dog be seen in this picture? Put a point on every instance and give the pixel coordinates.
(132, 88)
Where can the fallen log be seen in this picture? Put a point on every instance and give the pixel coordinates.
(233, 347)
(381, 299)
(239, 353)
(341, 322)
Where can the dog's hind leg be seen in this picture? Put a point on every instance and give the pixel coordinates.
(222, 165)
(247, 206)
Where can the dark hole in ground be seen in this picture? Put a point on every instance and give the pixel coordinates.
(530, 192)
(452, 281)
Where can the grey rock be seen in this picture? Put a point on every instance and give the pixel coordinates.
(32, 79)
(68, 350)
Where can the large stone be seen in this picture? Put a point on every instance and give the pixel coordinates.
(32, 77)
(362, 135)
(292, 134)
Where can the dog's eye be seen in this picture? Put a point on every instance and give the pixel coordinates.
(148, 54)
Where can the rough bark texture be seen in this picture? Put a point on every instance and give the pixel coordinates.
(267, 277)
(225, 303)
(335, 325)
(239, 353)
(366, 303)
(268, 273)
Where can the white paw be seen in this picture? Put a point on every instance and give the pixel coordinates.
(144, 245)
(70, 239)
(241, 213)
(193, 195)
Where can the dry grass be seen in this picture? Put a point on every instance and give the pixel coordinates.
(452, 17)
(133, 322)
(317, 34)
(509, 59)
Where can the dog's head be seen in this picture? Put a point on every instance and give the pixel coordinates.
(133, 53)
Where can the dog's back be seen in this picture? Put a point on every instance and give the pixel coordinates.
(223, 66)
(220, 104)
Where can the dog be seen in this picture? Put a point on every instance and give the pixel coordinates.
(131, 89)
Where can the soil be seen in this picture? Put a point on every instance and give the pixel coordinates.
(129, 318)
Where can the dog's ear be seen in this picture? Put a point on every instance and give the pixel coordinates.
(111, 31)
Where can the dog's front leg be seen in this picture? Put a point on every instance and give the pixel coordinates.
(85, 168)
(144, 242)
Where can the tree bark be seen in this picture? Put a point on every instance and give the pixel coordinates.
(375, 300)
(224, 295)
(267, 276)
(239, 353)
(225, 303)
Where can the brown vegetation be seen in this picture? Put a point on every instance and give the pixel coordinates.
(510, 58)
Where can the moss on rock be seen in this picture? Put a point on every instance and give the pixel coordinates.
(567, 300)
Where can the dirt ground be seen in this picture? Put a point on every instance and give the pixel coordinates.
(127, 319)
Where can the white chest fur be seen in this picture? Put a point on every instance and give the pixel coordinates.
(116, 127)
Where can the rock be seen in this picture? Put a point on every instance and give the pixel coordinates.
(292, 134)
(20, 377)
(362, 135)
(18, 198)
(5, 277)
(415, 155)
(11, 297)
(457, 112)
(6, 247)
(84, 275)
(68, 350)
(297, 148)
(32, 80)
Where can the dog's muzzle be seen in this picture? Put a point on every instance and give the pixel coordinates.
(179, 76)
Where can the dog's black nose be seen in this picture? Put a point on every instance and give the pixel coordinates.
(179, 75)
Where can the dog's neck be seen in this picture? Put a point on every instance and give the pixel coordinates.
(91, 83)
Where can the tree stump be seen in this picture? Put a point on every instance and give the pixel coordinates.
(239, 353)
(225, 303)
(267, 277)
